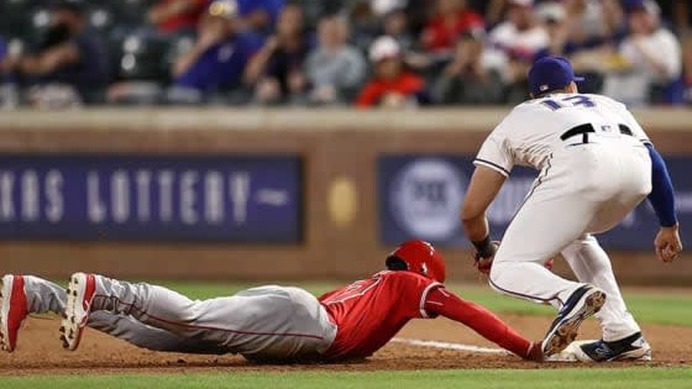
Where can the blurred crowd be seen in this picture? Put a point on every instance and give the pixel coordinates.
(367, 53)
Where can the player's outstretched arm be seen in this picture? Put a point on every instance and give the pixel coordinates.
(662, 198)
(442, 302)
(484, 187)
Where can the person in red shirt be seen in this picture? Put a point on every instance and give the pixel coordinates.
(171, 16)
(392, 86)
(452, 18)
(268, 323)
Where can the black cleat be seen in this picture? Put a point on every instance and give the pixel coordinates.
(631, 348)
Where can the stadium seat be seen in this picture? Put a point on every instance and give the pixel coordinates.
(101, 19)
(13, 14)
(36, 24)
(130, 13)
(142, 58)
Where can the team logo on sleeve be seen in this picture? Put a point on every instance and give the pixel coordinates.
(426, 196)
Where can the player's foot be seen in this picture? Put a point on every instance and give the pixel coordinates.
(633, 347)
(80, 294)
(13, 310)
(583, 303)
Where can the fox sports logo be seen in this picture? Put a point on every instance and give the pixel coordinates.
(426, 197)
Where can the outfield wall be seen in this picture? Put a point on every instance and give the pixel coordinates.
(320, 218)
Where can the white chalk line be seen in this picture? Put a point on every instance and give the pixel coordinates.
(450, 346)
(562, 357)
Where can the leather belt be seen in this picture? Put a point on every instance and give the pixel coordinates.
(585, 129)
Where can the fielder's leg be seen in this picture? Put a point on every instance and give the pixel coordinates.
(591, 264)
(554, 214)
(622, 337)
(540, 229)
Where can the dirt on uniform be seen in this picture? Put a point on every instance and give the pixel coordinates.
(39, 351)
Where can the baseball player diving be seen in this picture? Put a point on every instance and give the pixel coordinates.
(269, 323)
(596, 165)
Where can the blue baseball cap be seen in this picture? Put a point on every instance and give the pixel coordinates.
(551, 73)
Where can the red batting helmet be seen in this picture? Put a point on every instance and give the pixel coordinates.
(419, 257)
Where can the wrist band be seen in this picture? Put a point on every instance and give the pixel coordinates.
(484, 248)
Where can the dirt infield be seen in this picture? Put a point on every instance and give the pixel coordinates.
(39, 351)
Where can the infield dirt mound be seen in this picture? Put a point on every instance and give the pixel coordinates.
(39, 351)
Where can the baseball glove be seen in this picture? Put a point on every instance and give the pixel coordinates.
(483, 265)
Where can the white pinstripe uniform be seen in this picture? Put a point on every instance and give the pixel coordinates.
(594, 170)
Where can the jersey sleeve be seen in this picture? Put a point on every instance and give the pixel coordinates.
(495, 153)
(422, 306)
(441, 301)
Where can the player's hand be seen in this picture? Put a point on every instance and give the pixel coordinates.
(668, 244)
(483, 265)
(535, 352)
(549, 263)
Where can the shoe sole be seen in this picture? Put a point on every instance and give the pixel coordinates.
(75, 318)
(567, 331)
(639, 355)
(5, 291)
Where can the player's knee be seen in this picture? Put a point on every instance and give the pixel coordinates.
(495, 277)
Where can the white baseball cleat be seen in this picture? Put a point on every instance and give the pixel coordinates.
(80, 294)
(13, 310)
(583, 303)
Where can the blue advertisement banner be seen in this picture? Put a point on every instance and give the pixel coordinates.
(182, 198)
(420, 197)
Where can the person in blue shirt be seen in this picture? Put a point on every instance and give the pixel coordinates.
(3, 52)
(260, 15)
(218, 59)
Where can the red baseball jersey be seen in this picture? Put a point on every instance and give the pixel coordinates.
(406, 84)
(368, 313)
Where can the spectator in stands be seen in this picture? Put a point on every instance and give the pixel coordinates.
(553, 17)
(217, 61)
(260, 15)
(582, 30)
(452, 18)
(395, 25)
(69, 62)
(493, 11)
(4, 58)
(334, 69)
(648, 61)
(687, 68)
(679, 12)
(381, 8)
(592, 23)
(276, 72)
(466, 80)
(392, 85)
(171, 16)
(8, 92)
(514, 45)
(592, 28)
